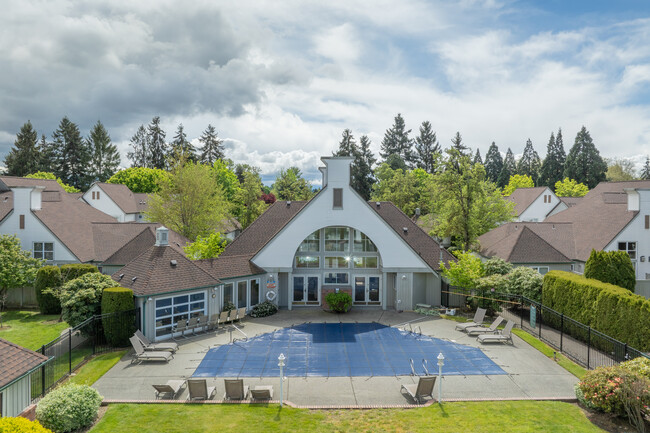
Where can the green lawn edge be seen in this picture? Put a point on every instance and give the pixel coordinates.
(30, 329)
(96, 367)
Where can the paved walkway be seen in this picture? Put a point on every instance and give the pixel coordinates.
(531, 375)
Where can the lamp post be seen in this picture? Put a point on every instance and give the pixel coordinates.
(281, 359)
(441, 362)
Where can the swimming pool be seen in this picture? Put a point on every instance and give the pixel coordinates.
(342, 349)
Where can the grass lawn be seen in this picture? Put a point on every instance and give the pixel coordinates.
(96, 368)
(510, 416)
(547, 350)
(30, 329)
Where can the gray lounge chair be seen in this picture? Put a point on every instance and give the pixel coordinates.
(193, 324)
(475, 330)
(141, 355)
(504, 336)
(422, 389)
(241, 313)
(202, 323)
(479, 316)
(223, 317)
(235, 389)
(170, 389)
(148, 345)
(181, 326)
(199, 389)
(213, 323)
(262, 392)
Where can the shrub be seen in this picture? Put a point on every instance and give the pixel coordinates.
(69, 408)
(75, 270)
(264, 309)
(339, 302)
(640, 366)
(465, 271)
(613, 267)
(81, 297)
(21, 425)
(228, 306)
(496, 281)
(609, 309)
(496, 266)
(48, 277)
(525, 281)
(116, 330)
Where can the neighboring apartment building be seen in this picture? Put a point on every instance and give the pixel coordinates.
(117, 201)
(538, 203)
(294, 254)
(612, 216)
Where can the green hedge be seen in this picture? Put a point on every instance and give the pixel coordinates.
(605, 307)
(613, 267)
(48, 277)
(75, 270)
(116, 329)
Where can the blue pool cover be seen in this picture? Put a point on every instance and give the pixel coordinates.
(342, 349)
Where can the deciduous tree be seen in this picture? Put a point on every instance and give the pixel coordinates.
(620, 169)
(465, 271)
(570, 188)
(140, 179)
(24, 157)
(248, 199)
(406, 189)
(518, 181)
(206, 247)
(52, 176)
(584, 163)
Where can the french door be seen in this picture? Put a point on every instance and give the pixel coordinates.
(306, 290)
(367, 290)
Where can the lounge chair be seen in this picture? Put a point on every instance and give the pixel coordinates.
(148, 345)
(235, 389)
(262, 392)
(475, 330)
(504, 336)
(181, 326)
(202, 323)
(199, 389)
(241, 313)
(192, 324)
(223, 317)
(423, 388)
(213, 323)
(479, 316)
(170, 389)
(141, 355)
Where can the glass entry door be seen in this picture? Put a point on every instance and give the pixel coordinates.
(366, 290)
(306, 290)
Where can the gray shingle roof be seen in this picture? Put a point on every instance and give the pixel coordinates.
(138, 242)
(16, 361)
(524, 197)
(121, 195)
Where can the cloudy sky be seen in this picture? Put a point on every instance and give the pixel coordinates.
(281, 80)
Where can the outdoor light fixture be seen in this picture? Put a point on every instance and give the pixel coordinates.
(441, 362)
(281, 359)
(149, 299)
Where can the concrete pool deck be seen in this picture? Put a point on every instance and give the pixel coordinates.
(530, 374)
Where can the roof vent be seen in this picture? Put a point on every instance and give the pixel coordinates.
(133, 279)
(121, 276)
(289, 203)
(378, 204)
(173, 262)
(6, 199)
(406, 230)
(553, 226)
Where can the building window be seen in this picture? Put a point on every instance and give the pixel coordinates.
(307, 262)
(365, 262)
(170, 310)
(44, 250)
(542, 269)
(241, 293)
(336, 278)
(337, 239)
(647, 221)
(228, 295)
(311, 243)
(362, 243)
(628, 247)
(97, 195)
(255, 292)
(336, 262)
(93, 195)
(22, 222)
(338, 198)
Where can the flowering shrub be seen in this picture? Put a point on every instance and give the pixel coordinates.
(264, 309)
(640, 366)
(69, 408)
(21, 425)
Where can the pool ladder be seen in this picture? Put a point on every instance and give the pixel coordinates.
(425, 366)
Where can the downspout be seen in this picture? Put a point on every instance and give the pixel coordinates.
(144, 315)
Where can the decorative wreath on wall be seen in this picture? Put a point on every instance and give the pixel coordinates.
(270, 295)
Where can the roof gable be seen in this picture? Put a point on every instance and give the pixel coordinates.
(531, 248)
(17, 361)
(524, 197)
(121, 196)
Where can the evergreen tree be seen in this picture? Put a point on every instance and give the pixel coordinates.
(347, 145)
(156, 144)
(493, 163)
(24, 157)
(212, 146)
(584, 163)
(529, 164)
(427, 148)
(71, 154)
(645, 171)
(46, 155)
(104, 156)
(182, 147)
(139, 153)
(509, 169)
(457, 143)
(397, 142)
(477, 158)
(552, 170)
(362, 174)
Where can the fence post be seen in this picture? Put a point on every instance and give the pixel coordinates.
(94, 334)
(521, 315)
(70, 351)
(43, 372)
(625, 355)
(588, 345)
(561, 330)
(540, 321)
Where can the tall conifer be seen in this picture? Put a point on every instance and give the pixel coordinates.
(71, 154)
(24, 157)
(158, 148)
(529, 164)
(427, 148)
(509, 168)
(104, 156)
(139, 153)
(212, 146)
(645, 171)
(584, 163)
(493, 163)
(397, 142)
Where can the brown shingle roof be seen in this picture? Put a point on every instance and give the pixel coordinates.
(7, 182)
(121, 195)
(6, 204)
(155, 274)
(141, 200)
(423, 244)
(16, 361)
(138, 244)
(230, 266)
(524, 197)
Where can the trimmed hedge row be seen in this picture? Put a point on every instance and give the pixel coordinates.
(115, 300)
(614, 267)
(605, 307)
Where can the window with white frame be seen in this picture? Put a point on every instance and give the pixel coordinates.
(44, 250)
(174, 308)
(336, 278)
(365, 262)
(541, 269)
(337, 239)
(336, 262)
(254, 298)
(242, 287)
(311, 243)
(629, 248)
(228, 294)
(362, 243)
(307, 262)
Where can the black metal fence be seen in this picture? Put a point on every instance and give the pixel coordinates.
(578, 341)
(99, 334)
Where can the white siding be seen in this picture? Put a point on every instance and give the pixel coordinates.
(104, 203)
(16, 397)
(538, 210)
